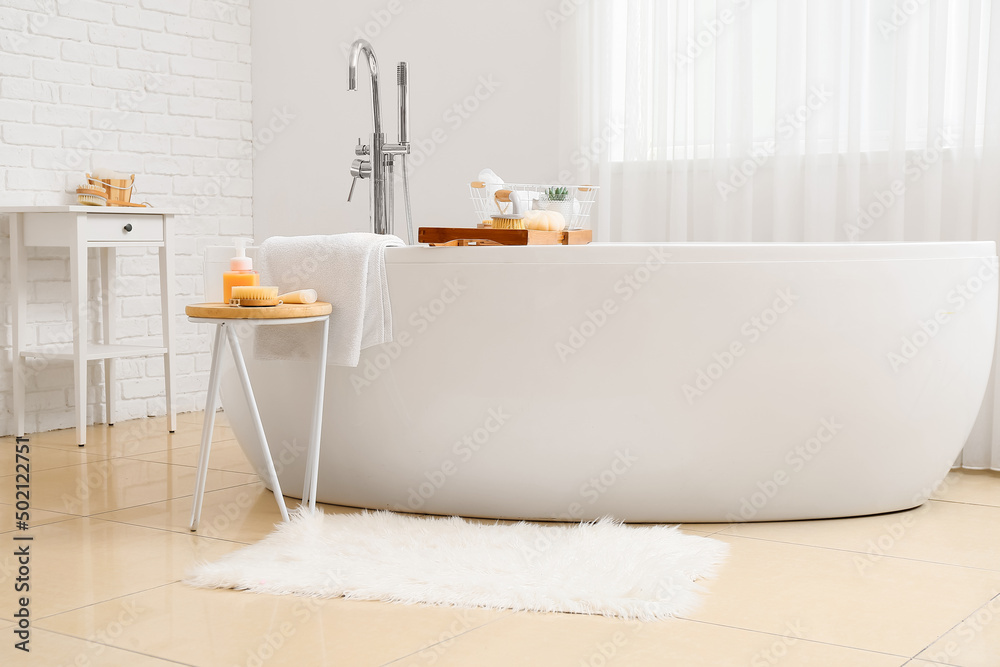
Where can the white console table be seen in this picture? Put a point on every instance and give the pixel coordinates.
(80, 228)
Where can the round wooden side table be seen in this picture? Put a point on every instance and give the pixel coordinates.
(224, 316)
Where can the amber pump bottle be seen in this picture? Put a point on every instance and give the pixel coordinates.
(240, 271)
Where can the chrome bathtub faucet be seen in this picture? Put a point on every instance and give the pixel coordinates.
(379, 166)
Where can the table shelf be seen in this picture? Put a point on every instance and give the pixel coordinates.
(95, 351)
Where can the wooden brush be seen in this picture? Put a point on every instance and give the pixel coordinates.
(91, 195)
(254, 296)
(507, 199)
(299, 296)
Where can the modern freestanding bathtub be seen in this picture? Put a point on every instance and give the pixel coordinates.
(652, 383)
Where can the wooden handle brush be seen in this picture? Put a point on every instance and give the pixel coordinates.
(299, 296)
(254, 296)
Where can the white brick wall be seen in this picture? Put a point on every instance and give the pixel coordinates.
(156, 87)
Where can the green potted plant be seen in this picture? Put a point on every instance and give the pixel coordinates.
(558, 200)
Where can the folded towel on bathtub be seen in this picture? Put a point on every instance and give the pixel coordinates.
(346, 270)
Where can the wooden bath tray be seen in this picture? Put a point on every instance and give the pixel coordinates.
(465, 236)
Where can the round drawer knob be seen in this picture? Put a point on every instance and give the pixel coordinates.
(128, 227)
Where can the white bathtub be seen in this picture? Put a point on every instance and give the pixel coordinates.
(659, 383)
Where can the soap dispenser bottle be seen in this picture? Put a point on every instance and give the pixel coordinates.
(240, 271)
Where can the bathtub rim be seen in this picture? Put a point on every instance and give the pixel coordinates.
(694, 252)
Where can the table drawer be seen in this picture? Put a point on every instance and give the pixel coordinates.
(124, 228)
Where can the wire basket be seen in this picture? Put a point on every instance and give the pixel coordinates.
(575, 206)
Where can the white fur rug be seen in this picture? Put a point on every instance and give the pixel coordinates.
(635, 572)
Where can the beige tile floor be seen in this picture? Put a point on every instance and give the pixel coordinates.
(918, 588)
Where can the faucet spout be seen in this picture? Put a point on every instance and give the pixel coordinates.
(363, 46)
(380, 168)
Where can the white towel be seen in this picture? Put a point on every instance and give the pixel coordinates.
(346, 270)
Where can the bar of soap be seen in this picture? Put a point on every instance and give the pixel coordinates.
(545, 221)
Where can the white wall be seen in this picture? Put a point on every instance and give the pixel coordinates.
(160, 88)
(452, 46)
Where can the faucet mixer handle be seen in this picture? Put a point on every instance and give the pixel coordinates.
(359, 169)
(361, 149)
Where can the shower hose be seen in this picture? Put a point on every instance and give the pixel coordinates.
(411, 238)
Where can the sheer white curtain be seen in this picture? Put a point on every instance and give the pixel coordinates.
(793, 120)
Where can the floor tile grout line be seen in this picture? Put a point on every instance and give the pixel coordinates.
(119, 648)
(69, 517)
(961, 502)
(55, 447)
(194, 466)
(105, 426)
(187, 495)
(42, 439)
(72, 517)
(170, 532)
(952, 628)
(68, 465)
(128, 457)
(679, 618)
(863, 553)
(775, 634)
(133, 425)
(96, 515)
(111, 599)
(509, 613)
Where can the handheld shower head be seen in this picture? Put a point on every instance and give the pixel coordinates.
(403, 80)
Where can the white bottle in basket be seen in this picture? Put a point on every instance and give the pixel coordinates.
(564, 206)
